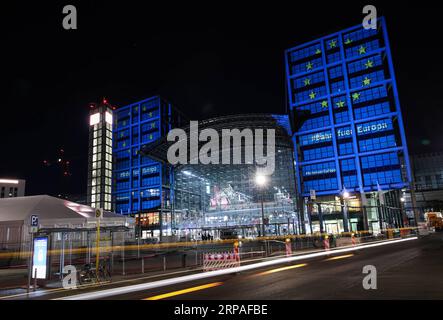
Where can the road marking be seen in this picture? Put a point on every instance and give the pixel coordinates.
(281, 269)
(184, 291)
(166, 282)
(107, 283)
(340, 257)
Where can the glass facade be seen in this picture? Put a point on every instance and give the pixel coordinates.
(217, 197)
(348, 130)
(140, 183)
(428, 171)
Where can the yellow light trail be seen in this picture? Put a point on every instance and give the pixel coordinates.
(281, 269)
(184, 291)
(168, 245)
(340, 257)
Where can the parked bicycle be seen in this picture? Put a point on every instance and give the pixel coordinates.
(88, 274)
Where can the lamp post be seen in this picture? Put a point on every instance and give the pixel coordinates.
(346, 196)
(260, 180)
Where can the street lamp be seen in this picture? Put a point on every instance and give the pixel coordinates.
(261, 180)
(346, 196)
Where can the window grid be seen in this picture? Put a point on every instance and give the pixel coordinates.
(367, 79)
(304, 53)
(369, 46)
(311, 79)
(365, 64)
(372, 110)
(377, 143)
(318, 153)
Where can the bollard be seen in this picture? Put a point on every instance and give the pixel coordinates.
(184, 260)
(143, 265)
(326, 243)
(353, 240)
(35, 279)
(288, 247)
(164, 263)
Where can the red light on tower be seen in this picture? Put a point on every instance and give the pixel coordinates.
(105, 101)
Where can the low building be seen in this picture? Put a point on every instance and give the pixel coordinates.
(58, 219)
(12, 188)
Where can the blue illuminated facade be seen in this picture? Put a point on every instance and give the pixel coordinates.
(345, 112)
(139, 183)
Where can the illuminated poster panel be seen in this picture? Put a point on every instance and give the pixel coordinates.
(39, 259)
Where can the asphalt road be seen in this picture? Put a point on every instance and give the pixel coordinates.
(407, 270)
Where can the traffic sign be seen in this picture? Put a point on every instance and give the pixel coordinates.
(33, 229)
(34, 220)
(313, 194)
(99, 213)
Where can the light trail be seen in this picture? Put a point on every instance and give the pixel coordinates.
(340, 257)
(167, 282)
(281, 269)
(184, 291)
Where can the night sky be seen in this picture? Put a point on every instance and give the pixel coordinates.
(214, 59)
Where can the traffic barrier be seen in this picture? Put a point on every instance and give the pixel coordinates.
(217, 261)
(288, 247)
(326, 243)
(353, 240)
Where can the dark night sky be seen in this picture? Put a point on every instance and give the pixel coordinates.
(212, 59)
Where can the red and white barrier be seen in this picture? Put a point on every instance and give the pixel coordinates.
(288, 248)
(354, 240)
(326, 243)
(217, 261)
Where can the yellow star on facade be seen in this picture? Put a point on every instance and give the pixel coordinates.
(356, 96)
(312, 95)
(324, 104)
(348, 41)
(318, 51)
(307, 81)
(340, 104)
(369, 64)
(362, 50)
(366, 81)
(333, 44)
(309, 66)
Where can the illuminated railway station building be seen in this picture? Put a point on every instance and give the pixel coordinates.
(225, 200)
(341, 159)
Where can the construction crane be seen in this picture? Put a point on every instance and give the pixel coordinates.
(61, 162)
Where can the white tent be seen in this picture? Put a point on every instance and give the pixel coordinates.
(53, 213)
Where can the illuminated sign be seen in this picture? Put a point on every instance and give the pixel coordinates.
(9, 181)
(94, 119)
(39, 259)
(319, 172)
(108, 117)
(363, 129)
(318, 137)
